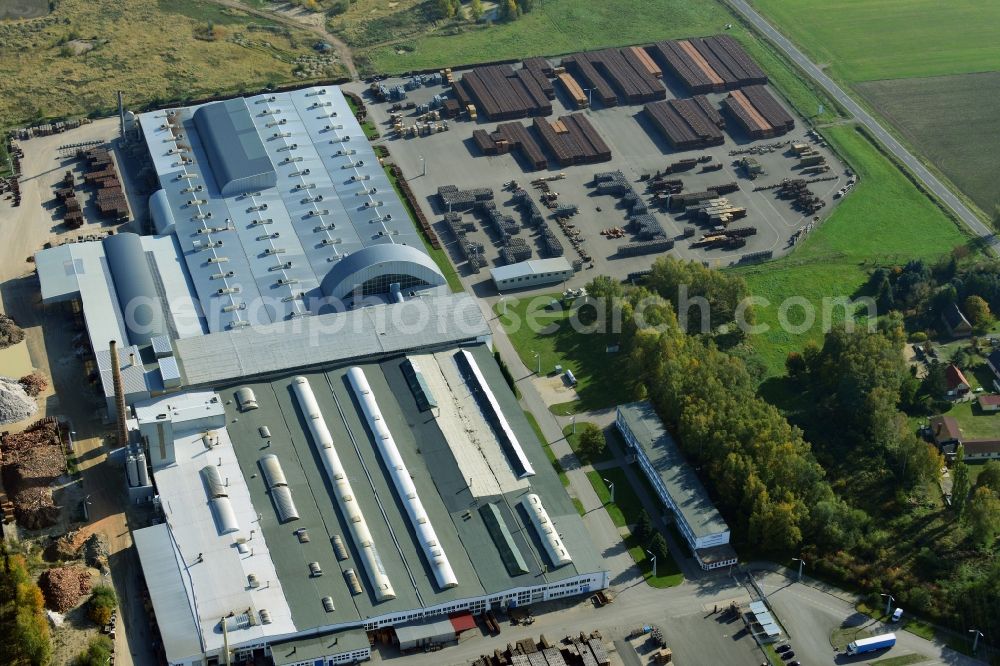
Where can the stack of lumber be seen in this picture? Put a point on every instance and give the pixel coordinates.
(758, 113)
(687, 123)
(573, 140)
(710, 64)
(501, 93)
(621, 70)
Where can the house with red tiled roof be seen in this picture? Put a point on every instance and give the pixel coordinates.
(958, 385)
(989, 403)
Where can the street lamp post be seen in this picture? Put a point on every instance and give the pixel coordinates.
(538, 363)
(423, 166)
(611, 488)
(975, 641)
(888, 603)
(652, 558)
(801, 563)
(503, 305)
(572, 420)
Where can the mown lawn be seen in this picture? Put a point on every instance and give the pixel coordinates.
(865, 40)
(601, 376)
(885, 220)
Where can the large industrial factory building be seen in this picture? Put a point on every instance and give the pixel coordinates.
(318, 473)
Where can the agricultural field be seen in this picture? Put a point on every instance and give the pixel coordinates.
(71, 62)
(953, 121)
(867, 40)
(885, 220)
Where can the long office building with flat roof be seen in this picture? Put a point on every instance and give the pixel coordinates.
(676, 484)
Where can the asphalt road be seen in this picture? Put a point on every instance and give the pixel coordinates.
(928, 179)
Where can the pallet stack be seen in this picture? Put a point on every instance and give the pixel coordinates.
(687, 123)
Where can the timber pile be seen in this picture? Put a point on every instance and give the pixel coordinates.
(101, 171)
(617, 75)
(32, 461)
(502, 93)
(687, 123)
(63, 587)
(758, 113)
(573, 140)
(711, 64)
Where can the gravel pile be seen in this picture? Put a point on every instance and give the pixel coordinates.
(95, 551)
(15, 404)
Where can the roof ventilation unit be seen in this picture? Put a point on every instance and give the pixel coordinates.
(315, 570)
(328, 604)
(245, 399)
(252, 580)
(339, 548)
(352, 581)
(302, 534)
(265, 616)
(264, 431)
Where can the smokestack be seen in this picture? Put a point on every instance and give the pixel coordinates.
(116, 375)
(121, 117)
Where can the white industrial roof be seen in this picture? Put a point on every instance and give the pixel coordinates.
(133, 374)
(531, 267)
(212, 563)
(275, 246)
(357, 334)
(174, 614)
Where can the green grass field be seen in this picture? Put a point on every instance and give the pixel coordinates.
(574, 443)
(953, 121)
(601, 377)
(866, 40)
(554, 27)
(884, 220)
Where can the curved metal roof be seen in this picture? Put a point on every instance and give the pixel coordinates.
(390, 258)
(235, 151)
(162, 213)
(137, 295)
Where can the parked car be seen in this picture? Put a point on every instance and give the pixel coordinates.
(788, 655)
(783, 648)
(897, 614)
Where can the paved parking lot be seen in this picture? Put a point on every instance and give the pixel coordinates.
(451, 158)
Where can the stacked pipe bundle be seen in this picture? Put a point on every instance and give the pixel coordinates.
(501, 93)
(758, 113)
(573, 140)
(711, 64)
(515, 249)
(541, 70)
(504, 225)
(686, 123)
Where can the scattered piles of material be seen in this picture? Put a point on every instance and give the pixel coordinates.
(621, 70)
(32, 460)
(63, 587)
(758, 113)
(687, 123)
(15, 404)
(502, 93)
(10, 332)
(712, 64)
(95, 551)
(573, 140)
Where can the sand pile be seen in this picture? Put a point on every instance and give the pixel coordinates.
(15, 404)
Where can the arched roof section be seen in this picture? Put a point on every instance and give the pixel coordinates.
(376, 261)
(140, 303)
(162, 213)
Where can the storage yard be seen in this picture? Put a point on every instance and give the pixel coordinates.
(607, 158)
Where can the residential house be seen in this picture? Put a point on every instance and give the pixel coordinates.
(958, 385)
(946, 434)
(989, 403)
(981, 449)
(955, 321)
(993, 360)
